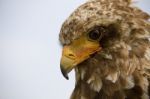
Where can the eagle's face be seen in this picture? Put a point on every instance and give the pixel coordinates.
(103, 31)
(96, 39)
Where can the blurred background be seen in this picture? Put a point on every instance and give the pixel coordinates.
(30, 50)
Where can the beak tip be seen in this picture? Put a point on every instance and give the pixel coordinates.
(67, 77)
(65, 74)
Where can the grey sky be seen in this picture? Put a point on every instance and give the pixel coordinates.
(30, 50)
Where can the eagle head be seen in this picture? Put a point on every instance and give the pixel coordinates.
(105, 40)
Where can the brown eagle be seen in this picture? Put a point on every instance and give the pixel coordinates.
(107, 43)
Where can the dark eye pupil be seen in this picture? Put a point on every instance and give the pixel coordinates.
(94, 35)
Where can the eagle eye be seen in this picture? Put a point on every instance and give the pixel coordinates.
(96, 33)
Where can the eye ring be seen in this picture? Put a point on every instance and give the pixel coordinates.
(96, 34)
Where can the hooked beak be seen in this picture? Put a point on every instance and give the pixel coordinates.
(75, 53)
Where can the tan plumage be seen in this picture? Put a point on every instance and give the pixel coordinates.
(121, 69)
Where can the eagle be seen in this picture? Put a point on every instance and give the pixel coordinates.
(107, 43)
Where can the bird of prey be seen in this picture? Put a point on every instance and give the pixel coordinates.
(107, 43)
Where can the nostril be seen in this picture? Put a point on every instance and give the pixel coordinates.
(71, 56)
